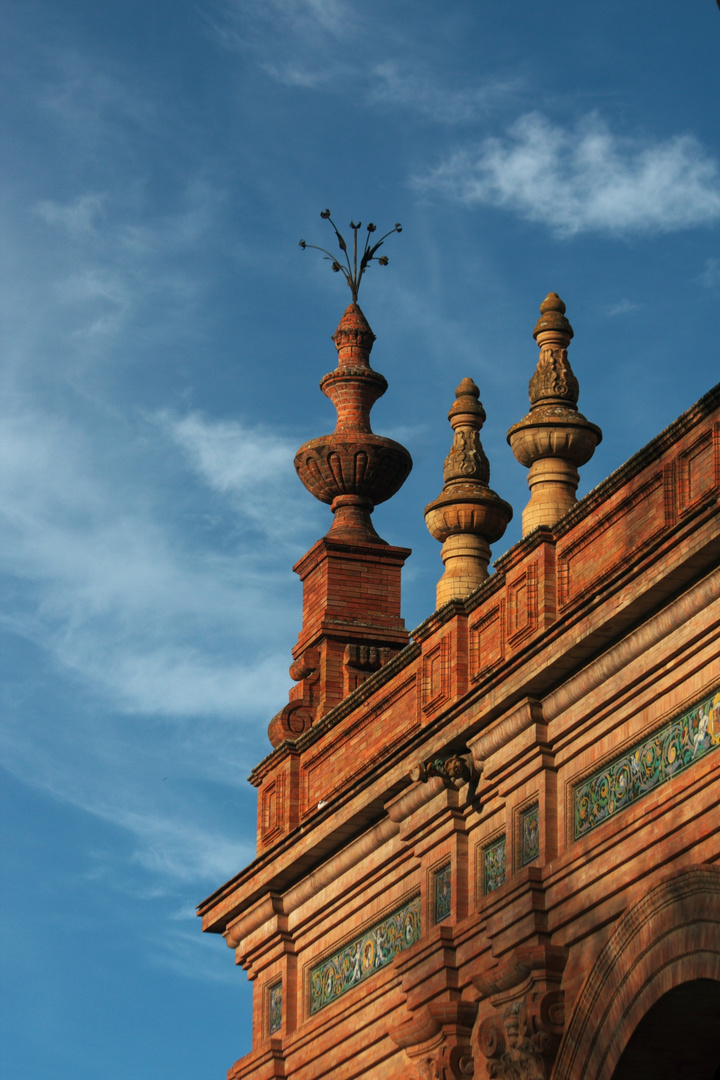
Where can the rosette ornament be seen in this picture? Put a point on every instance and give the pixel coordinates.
(554, 439)
(467, 515)
(353, 469)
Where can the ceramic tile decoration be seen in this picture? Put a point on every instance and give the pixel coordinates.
(275, 1008)
(364, 955)
(530, 834)
(443, 892)
(494, 866)
(648, 764)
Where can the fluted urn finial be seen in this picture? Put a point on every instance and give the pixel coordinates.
(467, 515)
(353, 469)
(554, 439)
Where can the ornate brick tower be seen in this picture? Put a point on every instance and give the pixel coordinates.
(489, 849)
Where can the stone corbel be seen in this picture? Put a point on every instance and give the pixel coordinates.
(437, 1041)
(519, 1038)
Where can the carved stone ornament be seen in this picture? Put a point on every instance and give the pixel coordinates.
(521, 1043)
(437, 1041)
(454, 770)
(521, 1036)
(467, 516)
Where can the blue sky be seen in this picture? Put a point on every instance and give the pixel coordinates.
(163, 337)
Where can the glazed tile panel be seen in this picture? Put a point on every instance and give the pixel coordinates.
(443, 893)
(494, 866)
(365, 955)
(275, 1008)
(647, 765)
(530, 829)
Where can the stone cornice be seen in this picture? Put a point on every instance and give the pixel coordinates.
(398, 810)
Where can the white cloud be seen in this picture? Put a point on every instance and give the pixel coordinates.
(584, 180)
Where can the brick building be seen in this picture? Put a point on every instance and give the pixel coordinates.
(490, 848)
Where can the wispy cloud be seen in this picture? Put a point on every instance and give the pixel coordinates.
(294, 41)
(622, 308)
(315, 44)
(710, 276)
(79, 218)
(396, 86)
(585, 179)
(112, 592)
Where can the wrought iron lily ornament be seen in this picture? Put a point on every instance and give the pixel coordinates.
(352, 271)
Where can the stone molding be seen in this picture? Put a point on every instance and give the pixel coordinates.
(639, 641)
(523, 716)
(670, 936)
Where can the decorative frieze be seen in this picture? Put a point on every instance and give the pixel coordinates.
(364, 955)
(647, 765)
(494, 866)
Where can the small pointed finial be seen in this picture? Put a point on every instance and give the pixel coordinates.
(554, 439)
(353, 271)
(467, 516)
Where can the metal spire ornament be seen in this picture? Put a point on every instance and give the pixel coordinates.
(352, 271)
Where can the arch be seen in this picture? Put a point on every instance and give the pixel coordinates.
(670, 937)
(678, 1037)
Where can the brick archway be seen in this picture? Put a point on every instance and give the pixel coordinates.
(672, 936)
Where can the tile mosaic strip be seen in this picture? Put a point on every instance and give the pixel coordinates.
(365, 955)
(275, 1008)
(530, 834)
(648, 764)
(443, 893)
(494, 865)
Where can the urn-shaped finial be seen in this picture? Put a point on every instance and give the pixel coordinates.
(467, 515)
(353, 469)
(554, 439)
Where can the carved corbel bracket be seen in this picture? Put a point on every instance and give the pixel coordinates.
(437, 1041)
(360, 661)
(519, 1038)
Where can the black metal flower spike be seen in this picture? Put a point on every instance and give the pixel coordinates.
(353, 273)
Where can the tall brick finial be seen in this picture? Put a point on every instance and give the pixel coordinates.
(351, 577)
(467, 515)
(554, 439)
